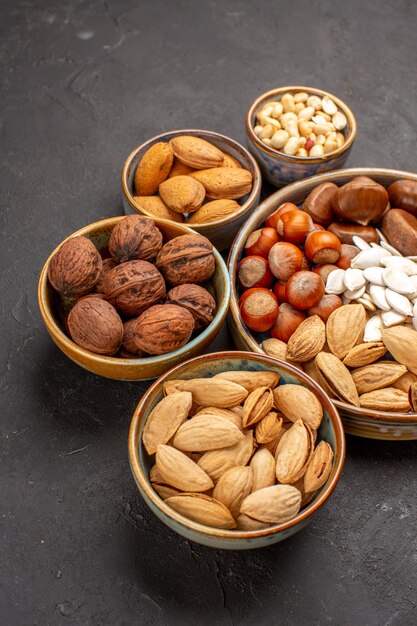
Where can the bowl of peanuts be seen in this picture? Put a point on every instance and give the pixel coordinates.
(297, 132)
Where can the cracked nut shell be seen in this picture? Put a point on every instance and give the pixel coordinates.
(135, 237)
(186, 259)
(134, 286)
(163, 328)
(95, 325)
(75, 268)
(197, 300)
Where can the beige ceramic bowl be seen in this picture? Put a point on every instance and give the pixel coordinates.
(129, 369)
(281, 169)
(220, 232)
(357, 421)
(331, 430)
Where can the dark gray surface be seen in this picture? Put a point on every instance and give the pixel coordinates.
(82, 84)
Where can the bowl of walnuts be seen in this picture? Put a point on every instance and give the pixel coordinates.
(198, 177)
(129, 297)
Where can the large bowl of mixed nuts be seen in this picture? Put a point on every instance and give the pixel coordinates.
(324, 275)
(236, 450)
(296, 132)
(130, 297)
(197, 177)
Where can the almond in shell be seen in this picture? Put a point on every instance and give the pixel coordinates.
(402, 343)
(377, 376)
(226, 413)
(214, 210)
(364, 354)
(337, 377)
(202, 509)
(257, 405)
(274, 505)
(165, 491)
(233, 487)
(179, 471)
(229, 161)
(319, 468)
(196, 152)
(214, 392)
(180, 169)
(269, 427)
(388, 399)
(278, 349)
(153, 169)
(297, 402)
(405, 381)
(157, 208)
(182, 194)
(244, 522)
(224, 182)
(294, 453)
(165, 418)
(344, 327)
(206, 432)
(307, 340)
(251, 380)
(263, 469)
(217, 462)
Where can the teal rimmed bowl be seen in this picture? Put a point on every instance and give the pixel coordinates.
(331, 430)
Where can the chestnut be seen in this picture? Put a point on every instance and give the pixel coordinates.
(403, 195)
(253, 271)
(346, 231)
(318, 203)
(360, 201)
(287, 322)
(321, 246)
(258, 309)
(305, 289)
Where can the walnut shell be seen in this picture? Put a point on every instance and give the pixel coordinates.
(195, 299)
(163, 328)
(95, 325)
(75, 268)
(128, 344)
(135, 237)
(186, 259)
(108, 265)
(134, 286)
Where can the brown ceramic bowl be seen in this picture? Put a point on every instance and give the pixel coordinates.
(331, 430)
(129, 369)
(220, 232)
(281, 169)
(357, 421)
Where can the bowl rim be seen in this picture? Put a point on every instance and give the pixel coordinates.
(143, 482)
(69, 345)
(352, 125)
(371, 415)
(253, 195)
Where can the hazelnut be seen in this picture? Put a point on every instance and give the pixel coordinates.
(75, 268)
(186, 259)
(163, 328)
(135, 237)
(195, 299)
(134, 286)
(95, 325)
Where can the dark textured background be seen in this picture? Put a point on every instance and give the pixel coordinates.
(82, 84)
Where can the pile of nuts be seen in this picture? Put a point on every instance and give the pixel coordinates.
(301, 124)
(365, 292)
(186, 172)
(237, 450)
(145, 299)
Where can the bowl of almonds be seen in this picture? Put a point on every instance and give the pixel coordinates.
(324, 275)
(197, 177)
(129, 297)
(236, 450)
(296, 132)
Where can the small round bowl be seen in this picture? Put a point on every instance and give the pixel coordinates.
(119, 368)
(369, 423)
(331, 430)
(280, 169)
(220, 232)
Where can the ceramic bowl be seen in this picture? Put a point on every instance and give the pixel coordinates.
(331, 430)
(281, 169)
(220, 232)
(129, 369)
(357, 421)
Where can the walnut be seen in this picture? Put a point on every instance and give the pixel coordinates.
(95, 325)
(134, 286)
(75, 268)
(135, 237)
(186, 259)
(163, 328)
(195, 299)
(129, 346)
(108, 265)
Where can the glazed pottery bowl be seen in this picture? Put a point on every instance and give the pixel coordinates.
(281, 169)
(53, 314)
(331, 430)
(220, 232)
(357, 421)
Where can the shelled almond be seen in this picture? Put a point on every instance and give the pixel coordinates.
(236, 449)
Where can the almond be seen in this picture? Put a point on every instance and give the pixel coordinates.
(229, 161)
(214, 392)
(244, 522)
(251, 380)
(297, 402)
(377, 376)
(165, 419)
(257, 405)
(153, 169)
(294, 453)
(226, 413)
(180, 169)
(263, 469)
(224, 182)
(268, 428)
(278, 349)
(319, 468)
(179, 471)
(364, 354)
(388, 399)
(196, 153)
(405, 381)
(206, 432)
(202, 509)
(336, 376)
(155, 206)
(214, 210)
(182, 194)
(165, 491)
(217, 462)
(233, 487)
(344, 327)
(307, 340)
(273, 505)
(402, 343)
(171, 386)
